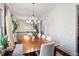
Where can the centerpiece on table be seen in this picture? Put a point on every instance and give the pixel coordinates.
(34, 34)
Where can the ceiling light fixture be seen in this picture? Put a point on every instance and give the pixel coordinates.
(33, 19)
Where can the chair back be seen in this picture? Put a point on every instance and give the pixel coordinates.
(18, 51)
(47, 49)
(43, 37)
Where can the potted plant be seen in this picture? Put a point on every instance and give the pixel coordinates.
(4, 41)
(34, 35)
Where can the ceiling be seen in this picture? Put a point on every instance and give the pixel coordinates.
(22, 10)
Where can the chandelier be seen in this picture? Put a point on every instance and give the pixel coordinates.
(32, 19)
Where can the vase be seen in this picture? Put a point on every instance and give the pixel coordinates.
(33, 38)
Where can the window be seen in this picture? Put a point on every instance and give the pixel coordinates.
(0, 23)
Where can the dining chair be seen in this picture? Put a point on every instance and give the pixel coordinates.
(49, 38)
(43, 37)
(47, 49)
(18, 51)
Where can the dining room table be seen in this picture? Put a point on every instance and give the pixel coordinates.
(31, 45)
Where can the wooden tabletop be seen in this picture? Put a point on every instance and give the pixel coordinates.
(32, 46)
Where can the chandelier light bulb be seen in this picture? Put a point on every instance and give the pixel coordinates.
(38, 21)
(31, 22)
(36, 18)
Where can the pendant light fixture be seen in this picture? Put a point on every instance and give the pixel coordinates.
(33, 19)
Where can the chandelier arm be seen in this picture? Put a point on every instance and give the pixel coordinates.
(33, 9)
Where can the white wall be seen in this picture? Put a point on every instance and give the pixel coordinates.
(61, 24)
